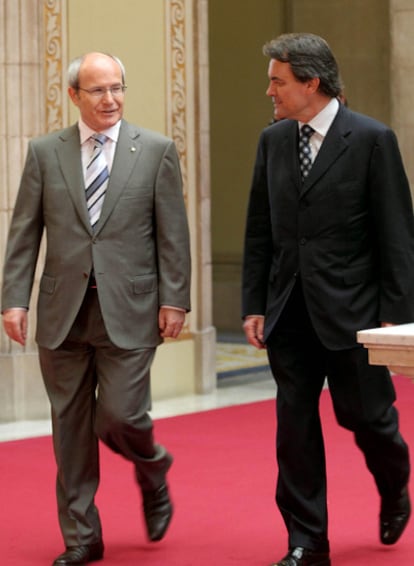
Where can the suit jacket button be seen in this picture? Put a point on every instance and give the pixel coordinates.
(303, 241)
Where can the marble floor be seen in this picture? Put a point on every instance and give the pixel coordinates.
(243, 377)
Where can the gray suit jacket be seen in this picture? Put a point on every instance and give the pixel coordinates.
(139, 250)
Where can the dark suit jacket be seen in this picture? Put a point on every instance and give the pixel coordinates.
(139, 250)
(348, 232)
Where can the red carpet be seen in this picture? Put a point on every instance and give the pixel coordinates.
(222, 483)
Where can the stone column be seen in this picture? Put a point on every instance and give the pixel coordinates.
(189, 125)
(22, 116)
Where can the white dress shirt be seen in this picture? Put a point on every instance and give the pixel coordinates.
(321, 124)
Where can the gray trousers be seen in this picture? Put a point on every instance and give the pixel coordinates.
(97, 390)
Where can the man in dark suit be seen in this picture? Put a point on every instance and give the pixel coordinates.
(115, 283)
(329, 250)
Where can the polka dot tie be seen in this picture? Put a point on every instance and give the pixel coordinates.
(305, 156)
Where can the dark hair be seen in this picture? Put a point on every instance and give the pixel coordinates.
(309, 57)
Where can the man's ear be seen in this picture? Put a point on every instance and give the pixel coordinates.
(313, 85)
(73, 94)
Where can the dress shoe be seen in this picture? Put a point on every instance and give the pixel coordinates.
(81, 554)
(394, 517)
(300, 556)
(157, 511)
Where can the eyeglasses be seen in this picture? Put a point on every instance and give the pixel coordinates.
(99, 91)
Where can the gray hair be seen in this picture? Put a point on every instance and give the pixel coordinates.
(75, 65)
(309, 57)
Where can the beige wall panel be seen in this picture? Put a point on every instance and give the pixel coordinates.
(3, 185)
(29, 16)
(4, 228)
(402, 84)
(170, 372)
(7, 384)
(2, 35)
(134, 31)
(3, 102)
(13, 118)
(397, 5)
(358, 33)
(239, 108)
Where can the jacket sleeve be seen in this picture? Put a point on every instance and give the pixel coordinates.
(257, 241)
(172, 234)
(25, 236)
(392, 210)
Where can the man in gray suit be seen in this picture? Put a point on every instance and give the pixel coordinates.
(329, 250)
(115, 283)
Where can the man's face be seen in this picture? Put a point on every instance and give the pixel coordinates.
(98, 112)
(290, 97)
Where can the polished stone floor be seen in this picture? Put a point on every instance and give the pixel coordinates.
(243, 377)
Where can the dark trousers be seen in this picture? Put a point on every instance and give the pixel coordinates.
(362, 396)
(97, 390)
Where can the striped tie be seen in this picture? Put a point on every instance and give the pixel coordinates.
(96, 178)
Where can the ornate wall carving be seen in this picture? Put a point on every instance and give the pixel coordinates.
(177, 82)
(55, 63)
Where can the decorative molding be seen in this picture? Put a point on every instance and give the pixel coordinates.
(54, 13)
(177, 82)
(177, 94)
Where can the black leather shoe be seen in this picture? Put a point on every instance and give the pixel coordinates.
(81, 554)
(394, 517)
(300, 556)
(158, 511)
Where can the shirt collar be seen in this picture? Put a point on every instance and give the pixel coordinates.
(322, 121)
(86, 132)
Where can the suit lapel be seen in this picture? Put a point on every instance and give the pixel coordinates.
(332, 147)
(127, 153)
(69, 157)
(289, 154)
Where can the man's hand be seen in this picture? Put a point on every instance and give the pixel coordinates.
(170, 322)
(15, 324)
(253, 328)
